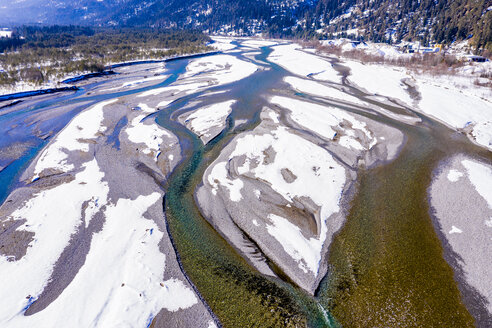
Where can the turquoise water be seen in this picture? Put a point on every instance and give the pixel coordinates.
(15, 127)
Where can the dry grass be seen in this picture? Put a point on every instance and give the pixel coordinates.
(431, 63)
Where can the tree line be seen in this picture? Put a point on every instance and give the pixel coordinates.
(40, 54)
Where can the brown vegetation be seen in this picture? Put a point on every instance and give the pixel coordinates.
(432, 63)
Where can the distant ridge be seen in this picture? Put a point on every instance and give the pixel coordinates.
(441, 21)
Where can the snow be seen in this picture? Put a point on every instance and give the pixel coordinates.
(164, 103)
(382, 49)
(289, 148)
(454, 175)
(324, 119)
(137, 82)
(476, 69)
(5, 34)
(46, 216)
(223, 68)
(348, 46)
(223, 44)
(123, 252)
(457, 109)
(219, 177)
(334, 42)
(73, 137)
(303, 250)
(257, 193)
(187, 88)
(379, 80)
(253, 43)
(319, 177)
(480, 176)
(346, 15)
(318, 89)
(482, 132)
(146, 132)
(453, 100)
(292, 58)
(206, 118)
(455, 230)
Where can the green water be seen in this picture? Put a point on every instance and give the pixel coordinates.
(386, 265)
(236, 292)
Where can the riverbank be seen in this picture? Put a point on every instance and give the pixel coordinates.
(460, 197)
(103, 222)
(26, 89)
(459, 98)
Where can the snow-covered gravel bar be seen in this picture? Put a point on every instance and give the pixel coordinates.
(283, 183)
(461, 200)
(207, 122)
(85, 243)
(455, 101)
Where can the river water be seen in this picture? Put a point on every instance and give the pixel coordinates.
(386, 264)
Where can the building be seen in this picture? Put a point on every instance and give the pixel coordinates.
(5, 33)
(476, 59)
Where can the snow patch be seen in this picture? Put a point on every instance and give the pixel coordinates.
(455, 230)
(325, 120)
(481, 177)
(319, 178)
(146, 132)
(204, 119)
(454, 175)
(381, 80)
(292, 58)
(304, 251)
(211, 324)
(219, 176)
(73, 137)
(312, 87)
(223, 68)
(53, 222)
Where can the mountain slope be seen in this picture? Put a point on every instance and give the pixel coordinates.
(425, 20)
(208, 14)
(376, 20)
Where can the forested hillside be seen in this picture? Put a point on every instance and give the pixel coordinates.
(441, 21)
(394, 20)
(40, 54)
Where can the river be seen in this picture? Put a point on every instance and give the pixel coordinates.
(385, 265)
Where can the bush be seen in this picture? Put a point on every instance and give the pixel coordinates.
(31, 74)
